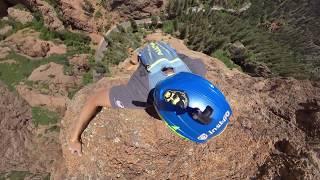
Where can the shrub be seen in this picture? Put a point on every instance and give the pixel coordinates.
(87, 78)
(41, 116)
(88, 7)
(98, 14)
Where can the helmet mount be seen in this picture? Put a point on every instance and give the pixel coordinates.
(180, 99)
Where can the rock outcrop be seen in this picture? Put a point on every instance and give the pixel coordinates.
(5, 30)
(22, 16)
(48, 13)
(238, 55)
(50, 87)
(37, 98)
(27, 42)
(269, 136)
(137, 9)
(75, 15)
(4, 52)
(23, 147)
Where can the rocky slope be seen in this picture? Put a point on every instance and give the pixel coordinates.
(90, 15)
(23, 147)
(273, 133)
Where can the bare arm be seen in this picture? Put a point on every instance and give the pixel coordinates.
(101, 98)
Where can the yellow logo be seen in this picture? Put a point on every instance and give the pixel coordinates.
(156, 48)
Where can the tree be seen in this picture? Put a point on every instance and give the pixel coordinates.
(154, 21)
(134, 25)
(88, 8)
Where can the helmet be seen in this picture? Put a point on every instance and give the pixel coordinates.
(191, 106)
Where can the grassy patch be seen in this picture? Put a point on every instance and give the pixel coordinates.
(168, 27)
(41, 116)
(12, 74)
(86, 79)
(19, 175)
(223, 56)
(119, 43)
(54, 128)
(14, 175)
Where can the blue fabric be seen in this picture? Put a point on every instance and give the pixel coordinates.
(135, 93)
(157, 56)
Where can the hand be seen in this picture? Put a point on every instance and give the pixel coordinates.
(75, 147)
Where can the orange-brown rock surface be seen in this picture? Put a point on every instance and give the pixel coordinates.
(27, 42)
(274, 132)
(22, 16)
(48, 12)
(23, 147)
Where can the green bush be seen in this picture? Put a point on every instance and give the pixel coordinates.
(98, 14)
(88, 7)
(12, 74)
(223, 56)
(119, 42)
(20, 6)
(41, 116)
(87, 78)
(168, 27)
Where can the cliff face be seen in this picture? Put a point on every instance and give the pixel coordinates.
(89, 15)
(274, 132)
(24, 147)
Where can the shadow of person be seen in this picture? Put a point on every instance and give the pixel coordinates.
(148, 106)
(153, 113)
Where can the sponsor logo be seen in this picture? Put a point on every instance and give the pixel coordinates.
(202, 137)
(156, 48)
(119, 104)
(224, 119)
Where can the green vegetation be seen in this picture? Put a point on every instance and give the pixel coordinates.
(286, 52)
(224, 57)
(12, 74)
(41, 116)
(134, 26)
(118, 45)
(98, 14)
(14, 175)
(232, 4)
(76, 43)
(168, 27)
(86, 79)
(19, 175)
(88, 8)
(20, 6)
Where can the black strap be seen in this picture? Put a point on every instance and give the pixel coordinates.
(203, 117)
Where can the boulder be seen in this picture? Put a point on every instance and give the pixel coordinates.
(33, 47)
(4, 52)
(52, 73)
(27, 42)
(137, 9)
(22, 149)
(5, 30)
(22, 16)
(35, 98)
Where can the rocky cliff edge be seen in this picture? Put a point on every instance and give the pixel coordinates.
(274, 132)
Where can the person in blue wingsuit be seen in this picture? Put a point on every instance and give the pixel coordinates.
(175, 86)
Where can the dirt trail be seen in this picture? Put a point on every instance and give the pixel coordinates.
(273, 133)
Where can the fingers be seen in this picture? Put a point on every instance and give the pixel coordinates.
(75, 151)
(79, 153)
